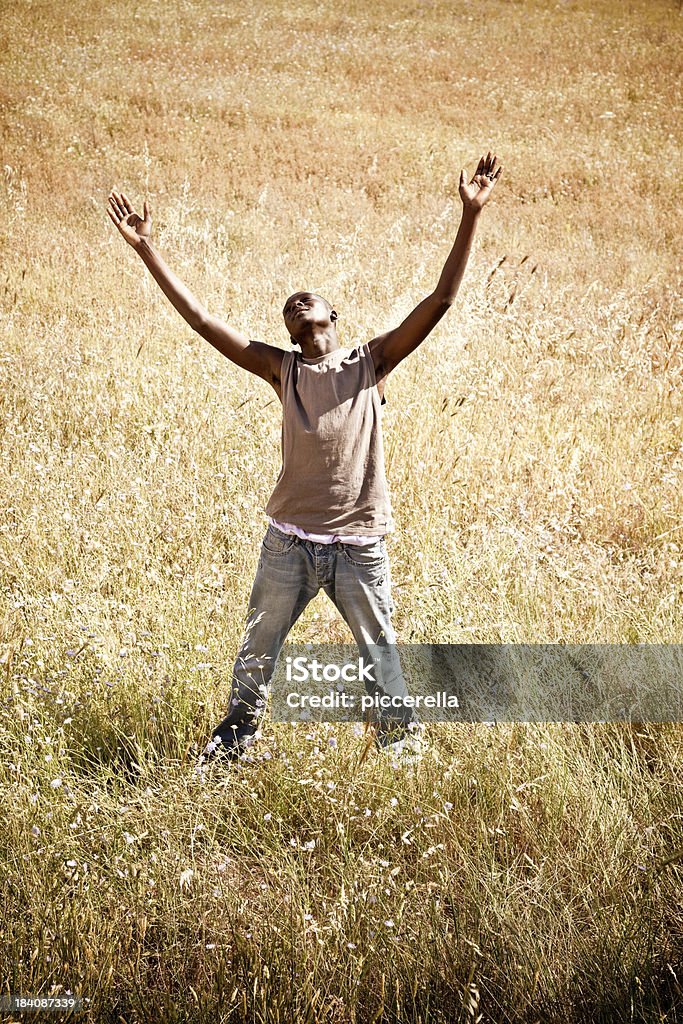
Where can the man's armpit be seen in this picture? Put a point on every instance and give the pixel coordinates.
(380, 375)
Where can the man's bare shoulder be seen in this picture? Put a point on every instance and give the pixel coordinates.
(269, 356)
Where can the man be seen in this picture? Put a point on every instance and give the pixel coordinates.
(330, 509)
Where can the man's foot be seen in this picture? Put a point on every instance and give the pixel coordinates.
(228, 749)
(405, 744)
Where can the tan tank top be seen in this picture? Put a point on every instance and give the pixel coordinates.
(332, 478)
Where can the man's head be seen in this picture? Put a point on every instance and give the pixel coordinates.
(304, 312)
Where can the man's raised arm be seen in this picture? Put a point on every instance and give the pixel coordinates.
(263, 360)
(389, 349)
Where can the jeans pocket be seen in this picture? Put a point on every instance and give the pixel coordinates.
(366, 556)
(277, 542)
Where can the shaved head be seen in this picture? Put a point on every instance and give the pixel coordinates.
(307, 315)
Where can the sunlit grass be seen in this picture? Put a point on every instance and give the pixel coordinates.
(534, 456)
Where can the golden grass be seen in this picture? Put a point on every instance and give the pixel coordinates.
(534, 455)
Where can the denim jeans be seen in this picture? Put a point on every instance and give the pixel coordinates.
(290, 573)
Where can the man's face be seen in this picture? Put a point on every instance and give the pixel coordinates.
(302, 310)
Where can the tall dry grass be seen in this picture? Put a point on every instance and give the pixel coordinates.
(534, 453)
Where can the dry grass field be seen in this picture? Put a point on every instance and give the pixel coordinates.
(523, 873)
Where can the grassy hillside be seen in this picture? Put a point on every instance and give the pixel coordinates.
(534, 452)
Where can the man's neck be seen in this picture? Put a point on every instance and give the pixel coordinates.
(317, 345)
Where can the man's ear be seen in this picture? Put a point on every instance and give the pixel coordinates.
(333, 315)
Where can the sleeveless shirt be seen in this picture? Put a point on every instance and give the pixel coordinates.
(332, 479)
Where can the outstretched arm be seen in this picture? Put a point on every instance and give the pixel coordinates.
(389, 349)
(263, 360)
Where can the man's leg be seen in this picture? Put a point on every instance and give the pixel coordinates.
(362, 593)
(285, 583)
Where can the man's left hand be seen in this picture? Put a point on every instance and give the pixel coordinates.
(478, 192)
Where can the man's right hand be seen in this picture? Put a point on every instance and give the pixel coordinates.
(256, 357)
(132, 226)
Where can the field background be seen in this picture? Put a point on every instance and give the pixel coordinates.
(534, 451)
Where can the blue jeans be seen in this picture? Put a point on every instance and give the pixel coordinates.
(290, 573)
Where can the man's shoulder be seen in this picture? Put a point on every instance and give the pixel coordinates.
(362, 357)
(357, 353)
